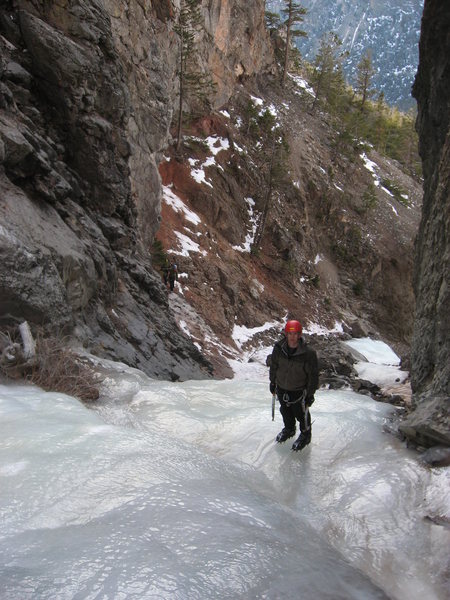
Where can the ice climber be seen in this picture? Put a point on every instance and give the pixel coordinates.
(173, 276)
(165, 271)
(294, 377)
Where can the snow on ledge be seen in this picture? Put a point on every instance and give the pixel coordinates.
(302, 83)
(175, 202)
(242, 334)
(253, 225)
(316, 329)
(187, 246)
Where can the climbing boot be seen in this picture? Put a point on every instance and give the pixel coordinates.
(284, 435)
(303, 440)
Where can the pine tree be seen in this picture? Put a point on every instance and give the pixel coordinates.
(294, 15)
(380, 133)
(328, 77)
(272, 20)
(365, 72)
(272, 159)
(192, 82)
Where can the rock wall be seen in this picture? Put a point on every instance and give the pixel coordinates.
(430, 361)
(240, 47)
(87, 90)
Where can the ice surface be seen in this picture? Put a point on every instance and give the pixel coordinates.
(178, 491)
(375, 351)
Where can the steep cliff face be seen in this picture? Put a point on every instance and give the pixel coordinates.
(232, 45)
(86, 101)
(431, 342)
(240, 47)
(146, 49)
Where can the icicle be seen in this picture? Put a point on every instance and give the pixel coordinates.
(29, 345)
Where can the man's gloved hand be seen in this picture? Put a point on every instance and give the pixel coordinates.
(309, 401)
(272, 388)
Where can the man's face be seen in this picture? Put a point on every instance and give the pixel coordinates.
(292, 338)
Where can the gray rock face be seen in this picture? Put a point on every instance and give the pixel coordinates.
(82, 81)
(240, 45)
(86, 101)
(47, 271)
(430, 358)
(146, 50)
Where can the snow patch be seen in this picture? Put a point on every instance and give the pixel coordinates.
(253, 225)
(257, 101)
(375, 351)
(215, 145)
(316, 329)
(242, 334)
(302, 83)
(175, 202)
(200, 177)
(372, 167)
(187, 246)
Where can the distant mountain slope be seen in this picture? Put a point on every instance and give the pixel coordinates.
(389, 27)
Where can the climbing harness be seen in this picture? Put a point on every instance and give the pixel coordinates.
(301, 398)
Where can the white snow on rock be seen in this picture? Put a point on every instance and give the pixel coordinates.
(372, 167)
(316, 329)
(172, 200)
(187, 246)
(242, 334)
(215, 145)
(253, 225)
(302, 83)
(257, 101)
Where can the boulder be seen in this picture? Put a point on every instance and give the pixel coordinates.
(428, 424)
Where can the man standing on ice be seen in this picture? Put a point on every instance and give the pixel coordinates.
(294, 377)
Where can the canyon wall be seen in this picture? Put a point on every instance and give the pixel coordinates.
(87, 90)
(430, 361)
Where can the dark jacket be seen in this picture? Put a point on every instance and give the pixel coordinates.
(296, 371)
(173, 273)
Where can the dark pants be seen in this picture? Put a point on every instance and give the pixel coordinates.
(291, 410)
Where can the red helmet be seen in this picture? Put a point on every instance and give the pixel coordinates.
(293, 326)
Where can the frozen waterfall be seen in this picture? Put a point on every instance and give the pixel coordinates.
(178, 491)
